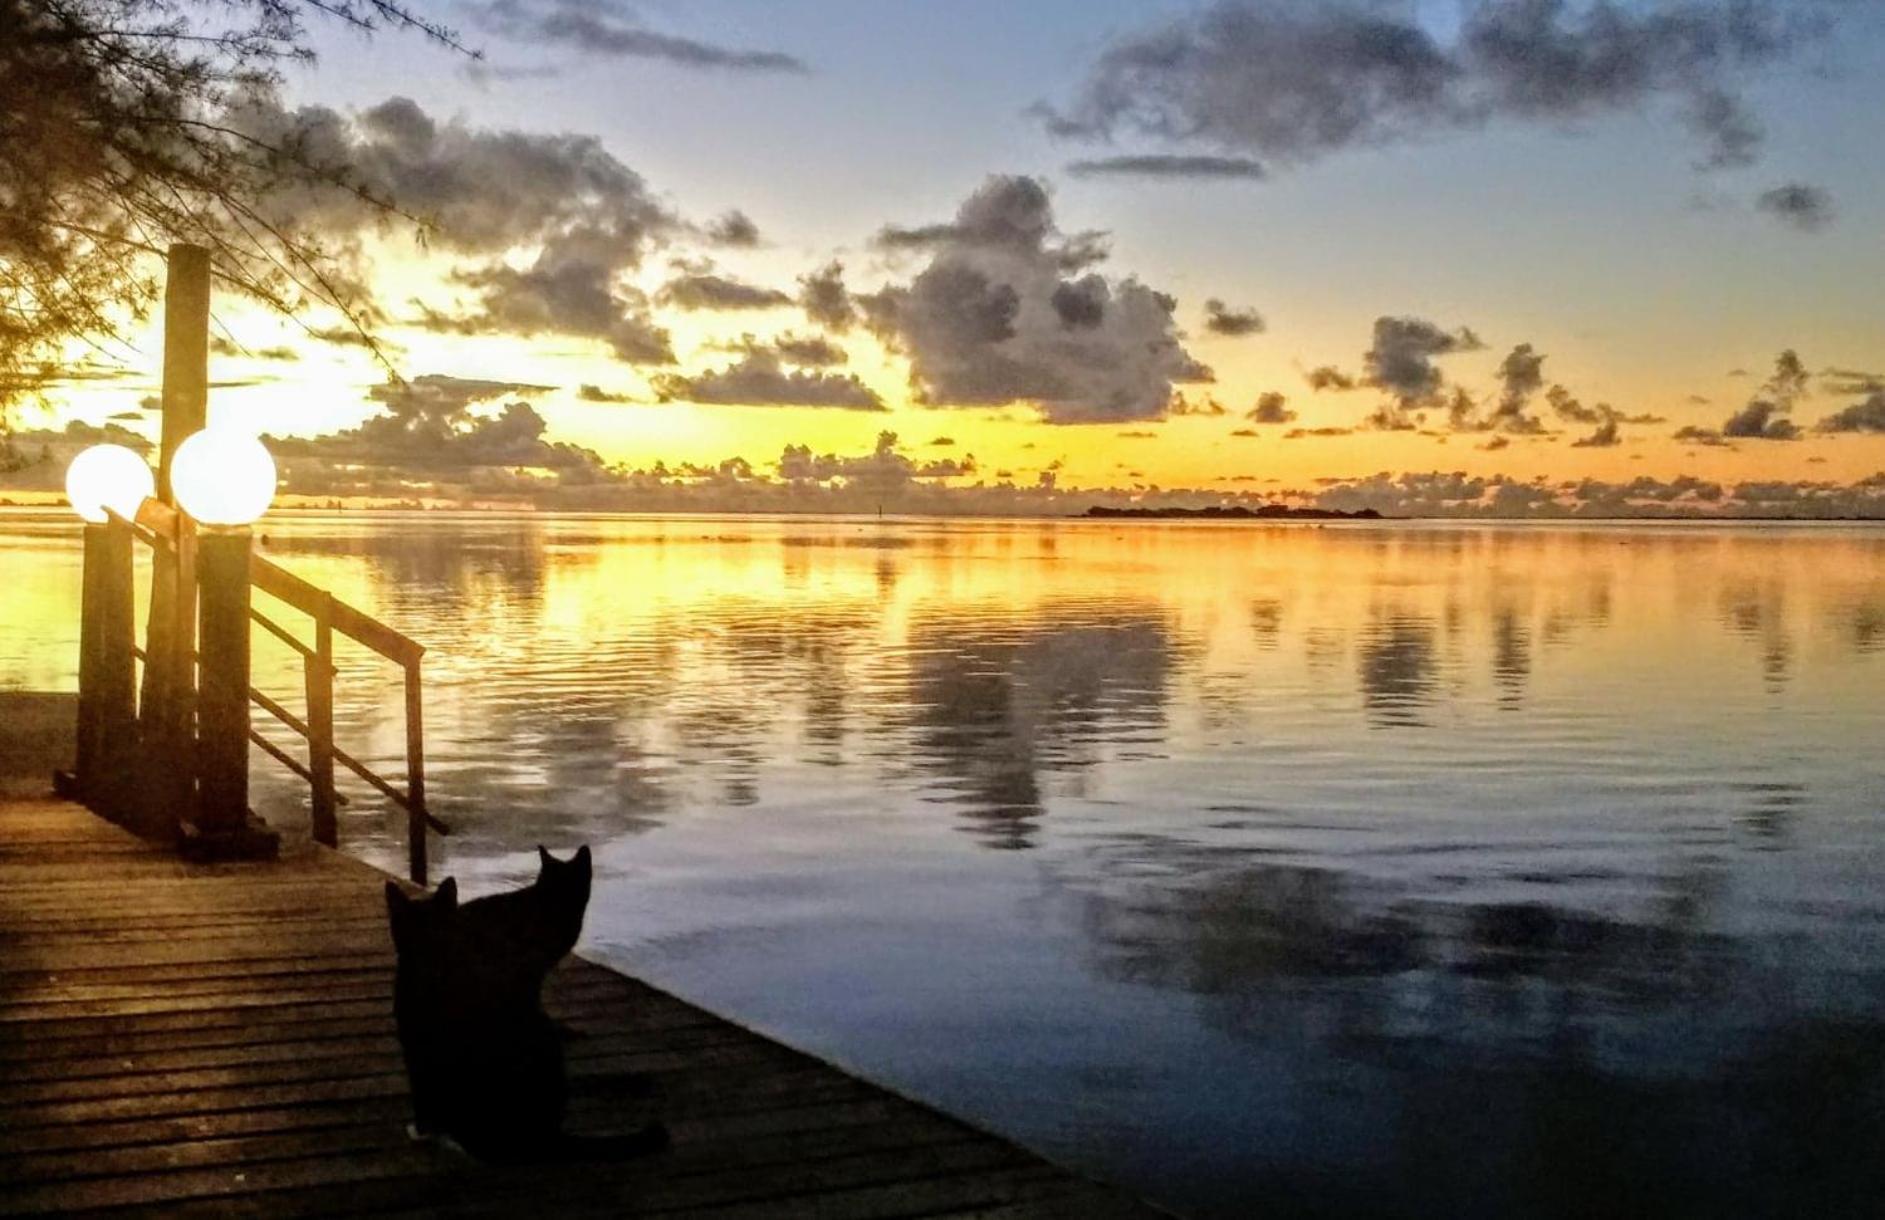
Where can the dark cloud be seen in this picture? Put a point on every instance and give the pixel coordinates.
(1081, 303)
(603, 28)
(1867, 415)
(1765, 415)
(943, 441)
(758, 379)
(1138, 435)
(1190, 168)
(884, 470)
(588, 392)
(1839, 382)
(1328, 377)
(430, 429)
(1011, 213)
(1521, 375)
(1271, 408)
(705, 290)
(734, 228)
(486, 194)
(1246, 432)
(825, 299)
(992, 319)
(1606, 435)
(1493, 444)
(1807, 208)
(1401, 362)
(1205, 404)
(807, 351)
(1294, 82)
(1300, 433)
(1221, 319)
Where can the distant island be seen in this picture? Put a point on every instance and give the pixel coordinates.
(1237, 512)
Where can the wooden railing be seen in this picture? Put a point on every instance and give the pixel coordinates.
(170, 534)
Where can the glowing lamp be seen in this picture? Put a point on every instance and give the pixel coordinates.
(222, 477)
(107, 477)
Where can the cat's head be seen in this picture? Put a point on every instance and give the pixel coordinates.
(567, 879)
(421, 923)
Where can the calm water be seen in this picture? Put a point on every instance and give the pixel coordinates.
(1346, 870)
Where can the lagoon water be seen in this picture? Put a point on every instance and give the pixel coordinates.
(1269, 869)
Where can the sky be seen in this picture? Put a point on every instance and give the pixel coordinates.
(1095, 245)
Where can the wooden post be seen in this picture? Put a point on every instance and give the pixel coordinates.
(415, 776)
(89, 739)
(170, 637)
(186, 355)
(115, 677)
(320, 686)
(223, 828)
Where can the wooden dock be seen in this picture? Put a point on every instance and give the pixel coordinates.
(187, 1039)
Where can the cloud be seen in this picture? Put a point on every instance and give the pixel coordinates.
(1270, 409)
(1328, 377)
(734, 228)
(589, 392)
(220, 346)
(1295, 434)
(1188, 168)
(1401, 362)
(1840, 381)
(758, 379)
(1521, 375)
(1081, 303)
(488, 194)
(1205, 404)
(1606, 436)
(1246, 432)
(704, 290)
(807, 351)
(1221, 319)
(603, 29)
(1867, 415)
(1137, 435)
(1807, 208)
(991, 319)
(882, 471)
(1294, 82)
(1765, 415)
(825, 299)
(430, 429)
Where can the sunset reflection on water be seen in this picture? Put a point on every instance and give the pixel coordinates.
(1355, 869)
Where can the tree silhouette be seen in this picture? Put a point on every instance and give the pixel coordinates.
(116, 141)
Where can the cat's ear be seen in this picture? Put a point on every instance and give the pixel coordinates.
(544, 858)
(447, 894)
(581, 859)
(396, 900)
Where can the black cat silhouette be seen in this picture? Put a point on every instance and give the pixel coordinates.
(484, 1062)
(530, 930)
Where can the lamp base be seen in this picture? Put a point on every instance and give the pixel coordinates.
(251, 840)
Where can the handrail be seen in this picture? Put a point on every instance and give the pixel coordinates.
(164, 528)
(277, 581)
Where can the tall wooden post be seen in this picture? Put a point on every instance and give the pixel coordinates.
(170, 637)
(186, 355)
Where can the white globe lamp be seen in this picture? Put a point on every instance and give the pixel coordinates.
(107, 477)
(223, 477)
